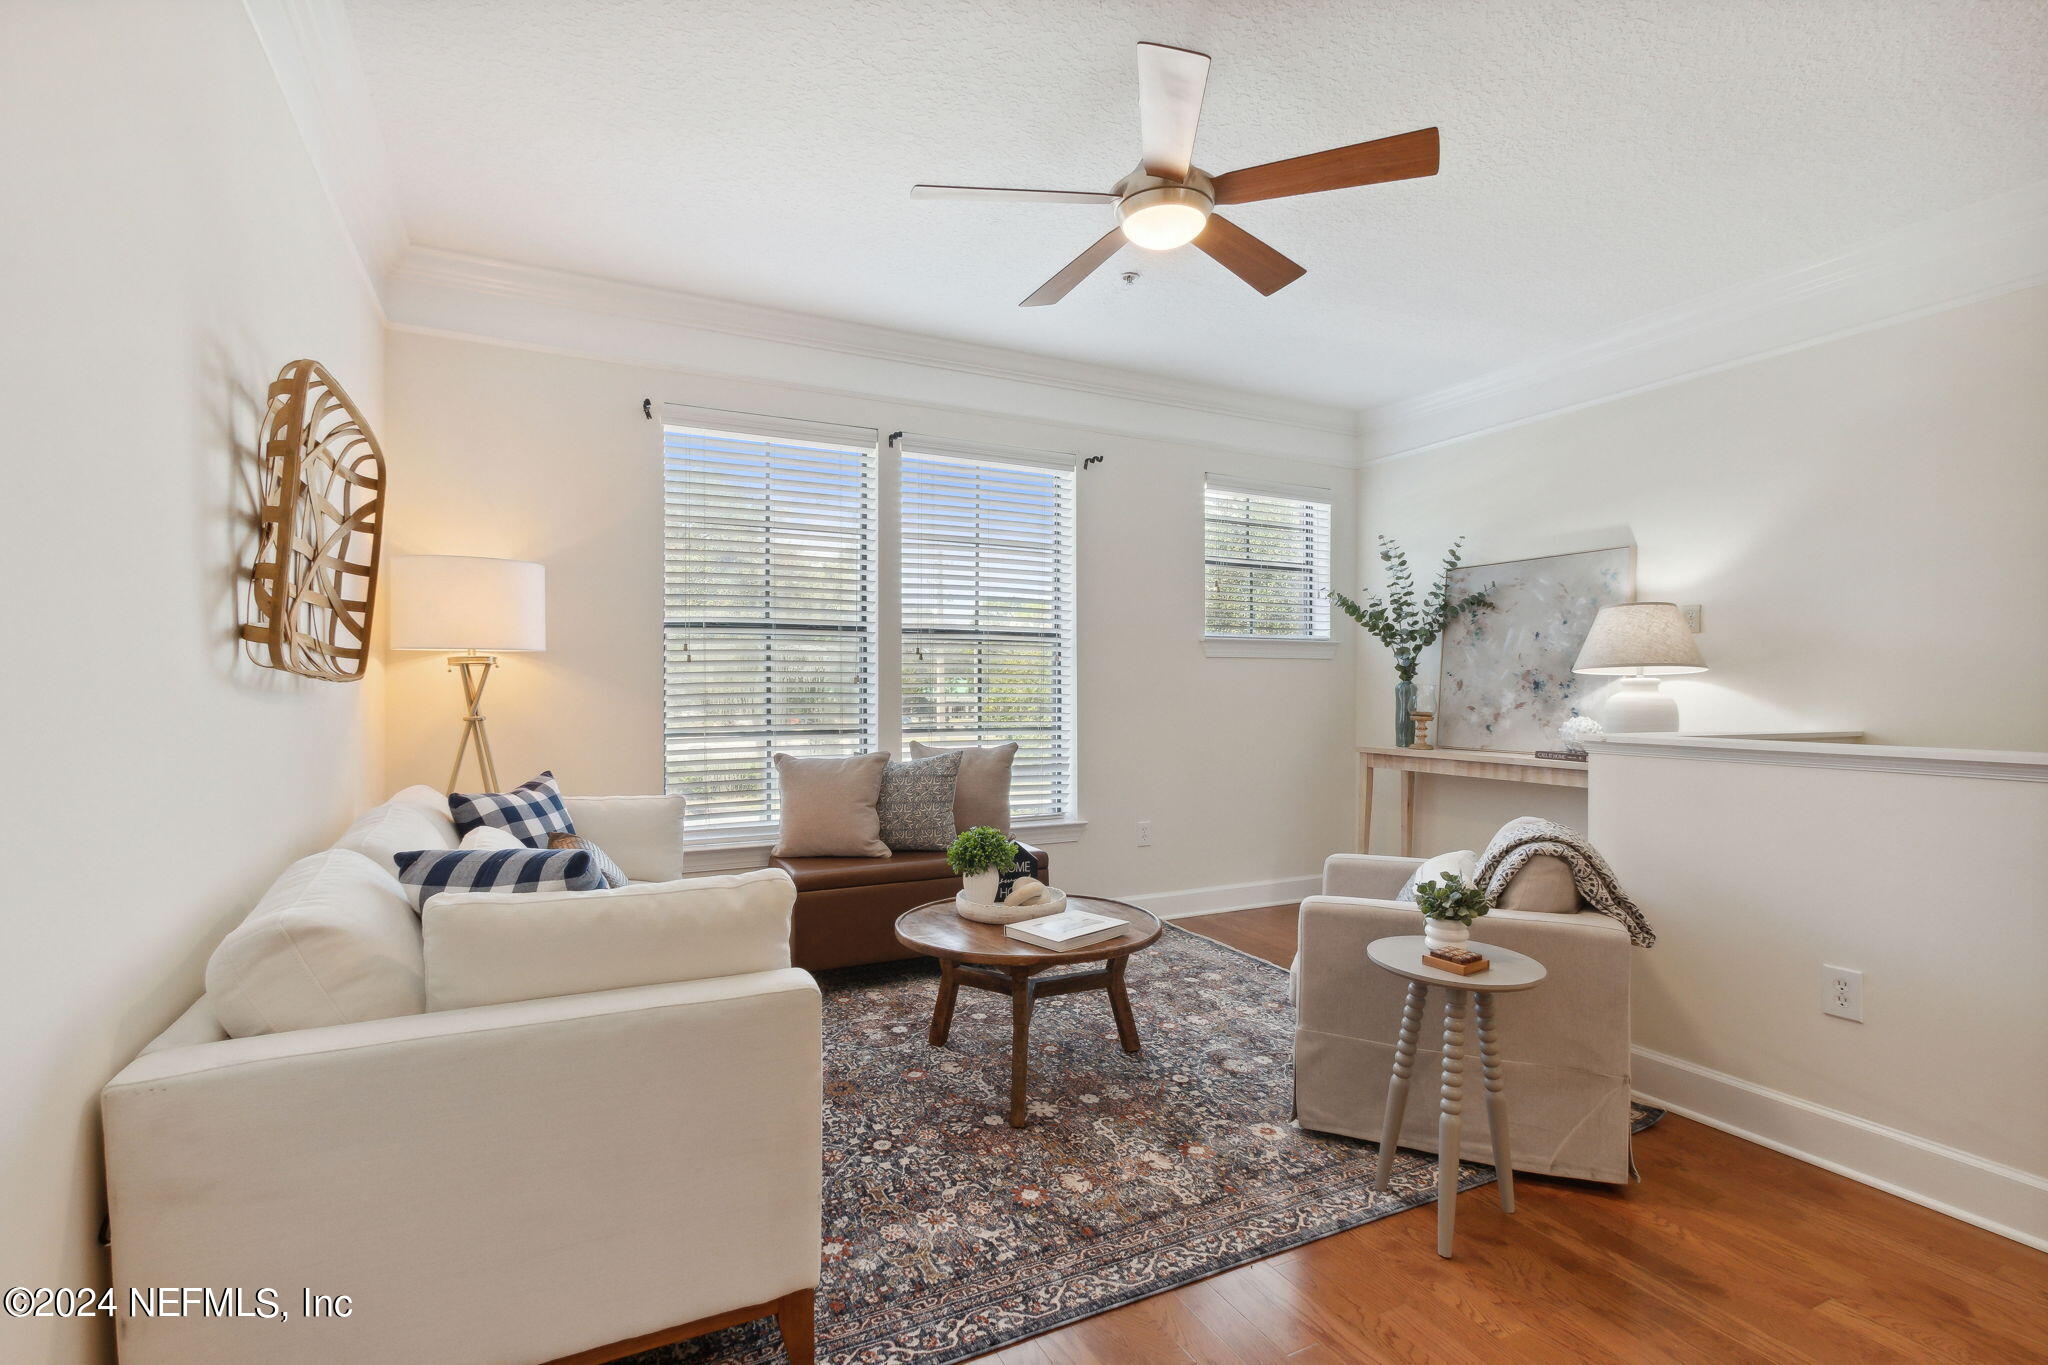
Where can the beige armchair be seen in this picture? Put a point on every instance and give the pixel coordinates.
(1566, 1042)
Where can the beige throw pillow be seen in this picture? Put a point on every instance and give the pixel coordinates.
(828, 806)
(981, 794)
(1544, 885)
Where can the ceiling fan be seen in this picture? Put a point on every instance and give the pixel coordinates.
(1169, 202)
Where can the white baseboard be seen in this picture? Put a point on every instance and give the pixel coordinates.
(1999, 1198)
(1218, 900)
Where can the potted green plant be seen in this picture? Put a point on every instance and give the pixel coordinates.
(980, 856)
(1448, 909)
(1406, 626)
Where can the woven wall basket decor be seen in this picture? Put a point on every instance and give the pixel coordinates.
(313, 584)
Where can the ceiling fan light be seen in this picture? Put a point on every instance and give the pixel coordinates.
(1164, 217)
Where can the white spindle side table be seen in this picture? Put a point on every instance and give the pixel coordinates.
(1511, 971)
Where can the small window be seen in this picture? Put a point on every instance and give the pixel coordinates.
(1266, 569)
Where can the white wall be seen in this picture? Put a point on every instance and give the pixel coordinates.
(167, 247)
(1755, 874)
(1241, 764)
(1861, 520)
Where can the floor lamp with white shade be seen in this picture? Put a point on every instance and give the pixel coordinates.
(476, 608)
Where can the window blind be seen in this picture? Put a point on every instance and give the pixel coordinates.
(1266, 561)
(988, 613)
(769, 606)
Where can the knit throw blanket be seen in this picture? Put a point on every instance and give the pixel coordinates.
(1532, 837)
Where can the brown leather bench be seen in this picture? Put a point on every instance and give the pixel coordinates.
(846, 908)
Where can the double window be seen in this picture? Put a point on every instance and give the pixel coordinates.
(776, 616)
(1266, 568)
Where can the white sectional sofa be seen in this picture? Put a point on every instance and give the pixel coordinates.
(621, 1147)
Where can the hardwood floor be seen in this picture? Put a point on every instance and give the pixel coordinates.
(1724, 1251)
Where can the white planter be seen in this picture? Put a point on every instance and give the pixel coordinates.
(980, 887)
(1445, 933)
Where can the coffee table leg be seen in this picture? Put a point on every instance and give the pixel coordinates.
(942, 1013)
(1397, 1086)
(1450, 1121)
(1020, 1043)
(1496, 1100)
(1120, 1006)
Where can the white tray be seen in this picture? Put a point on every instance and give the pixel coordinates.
(982, 913)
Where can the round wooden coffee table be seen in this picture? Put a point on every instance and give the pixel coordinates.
(983, 956)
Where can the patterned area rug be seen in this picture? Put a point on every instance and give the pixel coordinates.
(948, 1233)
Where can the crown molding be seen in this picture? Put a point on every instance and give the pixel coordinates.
(313, 53)
(451, 293)
(1989, 248)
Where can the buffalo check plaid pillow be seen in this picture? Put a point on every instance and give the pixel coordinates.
(599, 859)
(428, 872)
(530, 812)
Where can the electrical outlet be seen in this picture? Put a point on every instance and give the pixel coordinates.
(1692, 617)
(1144, 834)
(1841, 992)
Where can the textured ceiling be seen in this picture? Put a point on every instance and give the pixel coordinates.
(1601, 159)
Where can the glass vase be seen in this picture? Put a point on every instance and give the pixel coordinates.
(1404, 714)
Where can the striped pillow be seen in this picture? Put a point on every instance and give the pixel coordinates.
(426, 873)
(531, 811)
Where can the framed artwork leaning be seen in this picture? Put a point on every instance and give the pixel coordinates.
(1505, 676)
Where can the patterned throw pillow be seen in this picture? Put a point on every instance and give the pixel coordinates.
(426, 873)
(532, 811)
(599, 859)
(916, 804)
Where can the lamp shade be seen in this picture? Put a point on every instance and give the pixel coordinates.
(1640, 637)
(468, 603)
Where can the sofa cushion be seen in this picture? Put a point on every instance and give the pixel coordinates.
(828, 806)
(532, 810)
(982, 794)
(414, 818)
(488, 948)
(643, 834)
(427, 873)
(830, 874)
(486, 837)
(916, 803)
(333, 941)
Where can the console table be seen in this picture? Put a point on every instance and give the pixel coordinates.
(1497, 765)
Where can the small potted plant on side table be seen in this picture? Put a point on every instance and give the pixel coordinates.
(1448, 909)
(980, 856)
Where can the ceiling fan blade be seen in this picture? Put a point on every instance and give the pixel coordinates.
(1246, 257)
(1015, 196)
(1170, 85)
(1076, 270)
(1402, 157)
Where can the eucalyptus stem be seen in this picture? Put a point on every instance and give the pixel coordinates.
(1401, 622)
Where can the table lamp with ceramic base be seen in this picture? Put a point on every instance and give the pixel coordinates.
(1640, 642)
(476, 608)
